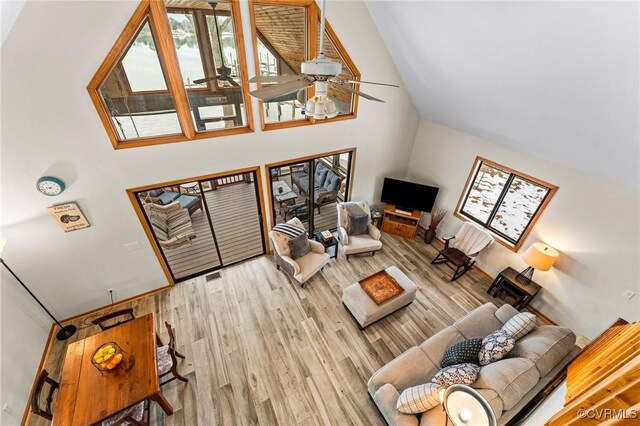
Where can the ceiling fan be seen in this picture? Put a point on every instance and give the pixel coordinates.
(320, 72)
(224, 72)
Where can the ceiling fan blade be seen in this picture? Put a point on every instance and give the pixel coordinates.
(273, 78)
(203, 80)
(301, 97)
(270, 92)
(365, 82)
(349, 89)
(228, 79)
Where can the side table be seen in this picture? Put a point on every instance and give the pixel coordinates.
(506, 282)
(328, 244)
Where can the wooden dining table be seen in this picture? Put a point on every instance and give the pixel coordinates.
(88, 396)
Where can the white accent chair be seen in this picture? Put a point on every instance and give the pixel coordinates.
(304, 267)
(355, 244)
(462, 250)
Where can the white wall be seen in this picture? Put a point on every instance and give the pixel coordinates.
(23, 335)
(592, 222)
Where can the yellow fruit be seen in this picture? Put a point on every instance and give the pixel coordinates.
(99, 360)
(112, 350)
(107, 357)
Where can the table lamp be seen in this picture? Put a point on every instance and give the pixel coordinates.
(538, 256)
(466, 407)
(65, 331)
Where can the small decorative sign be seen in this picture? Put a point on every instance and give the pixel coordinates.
(69, 217)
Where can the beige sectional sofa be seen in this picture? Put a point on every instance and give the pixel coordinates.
(508, 385)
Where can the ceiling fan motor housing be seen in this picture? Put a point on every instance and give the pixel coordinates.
(321, 66)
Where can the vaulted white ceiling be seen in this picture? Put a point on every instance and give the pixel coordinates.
(559, 80)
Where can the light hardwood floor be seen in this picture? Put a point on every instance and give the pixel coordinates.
(262, 350)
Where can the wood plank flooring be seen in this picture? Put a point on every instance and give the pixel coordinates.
(262, 350)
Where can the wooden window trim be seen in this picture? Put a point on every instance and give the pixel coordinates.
(156, 13)
(312, 19)
(508, 244)
(131, 194)
(270, 166)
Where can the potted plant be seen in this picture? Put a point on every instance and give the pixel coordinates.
(436, 217)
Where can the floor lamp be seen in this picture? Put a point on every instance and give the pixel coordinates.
(65, 331)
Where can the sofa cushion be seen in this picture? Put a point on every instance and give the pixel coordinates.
(479, 322)
(546, 346)
(167, 197)
(435, 346)
(505, 313)
(320, 174)
(462, 352)
(299, 246)
(510, 378)
(331, 182)
(156, 192)
(495, 347)
(411, 368)
(519, 325)
(188, 201)
(436, 416)
(386, 398)
(418, 399)
(463, 374)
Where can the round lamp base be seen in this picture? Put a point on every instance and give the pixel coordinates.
(66, 332)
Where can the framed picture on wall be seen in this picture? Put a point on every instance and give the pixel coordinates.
(69, 217)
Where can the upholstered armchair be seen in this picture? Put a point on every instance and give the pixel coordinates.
(460, 252)
(304, 267)
(356, 244)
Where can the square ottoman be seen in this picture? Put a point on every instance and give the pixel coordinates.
(366, 311)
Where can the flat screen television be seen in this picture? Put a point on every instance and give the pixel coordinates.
(408, 195)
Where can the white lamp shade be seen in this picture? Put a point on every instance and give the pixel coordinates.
(466, 407)
(3, 242)
(320, 107)
(540, 256)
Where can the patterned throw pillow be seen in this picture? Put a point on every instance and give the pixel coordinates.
(462, 352)
(419, 399)
(520, 325)
(495, 346)
(459, 374)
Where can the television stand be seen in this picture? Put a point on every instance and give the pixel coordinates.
(397, 222)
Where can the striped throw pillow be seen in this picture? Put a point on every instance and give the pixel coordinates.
(290, 231)
(520, 325)
(419, 399)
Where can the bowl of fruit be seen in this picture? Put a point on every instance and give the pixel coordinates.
(107, 356)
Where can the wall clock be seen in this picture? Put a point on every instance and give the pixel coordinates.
(50, 185)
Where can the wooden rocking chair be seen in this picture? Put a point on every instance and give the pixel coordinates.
(460, 254)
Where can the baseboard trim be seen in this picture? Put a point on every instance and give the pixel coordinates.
(529, 308)
(121, 302)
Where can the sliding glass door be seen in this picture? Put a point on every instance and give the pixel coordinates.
(204, 225)
(310, 189)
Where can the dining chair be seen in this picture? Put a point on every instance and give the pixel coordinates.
(103, 321)
(167, 358)
(131, 416)
(36, 406)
